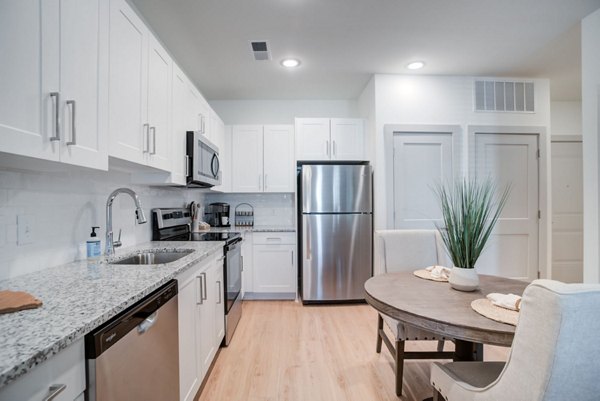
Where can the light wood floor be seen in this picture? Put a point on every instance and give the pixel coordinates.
(283, 351)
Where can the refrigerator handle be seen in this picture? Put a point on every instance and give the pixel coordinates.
(307, 188)
(308, 250)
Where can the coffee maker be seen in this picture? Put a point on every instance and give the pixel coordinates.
(217, 214)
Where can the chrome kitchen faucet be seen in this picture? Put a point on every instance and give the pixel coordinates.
(139, 215)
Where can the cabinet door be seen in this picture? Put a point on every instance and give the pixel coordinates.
(274, 269)
(219, 305)
(189, 376)
(82, 61)
(206, 320)
(219, 138)
(179, 126)
(128, 85)
(159, 105)
(312, 139)
(29, 73)
(278, 162)
(347, 139)
(247, 158)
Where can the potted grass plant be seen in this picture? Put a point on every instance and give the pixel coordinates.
(470, 210)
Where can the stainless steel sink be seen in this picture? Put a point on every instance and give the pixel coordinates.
(152, 258)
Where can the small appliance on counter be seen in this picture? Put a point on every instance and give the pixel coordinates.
(217, 214)
(174, 225)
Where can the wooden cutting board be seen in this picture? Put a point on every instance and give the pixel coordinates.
(14, 301)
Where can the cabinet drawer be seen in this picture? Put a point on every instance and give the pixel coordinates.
(274, 238)
(65, 368)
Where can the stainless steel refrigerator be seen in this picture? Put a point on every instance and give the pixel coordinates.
(335, 231)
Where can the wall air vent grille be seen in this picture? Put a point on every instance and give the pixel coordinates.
(504, 96)
(260, 50)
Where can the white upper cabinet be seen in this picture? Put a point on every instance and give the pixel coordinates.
(330, 139)
(278, 163)
(52, 85)
(140, 85)
(262, 158)
(218, 137)
(312, 139)
(159, 106)
(179, 127)
(247, 158)
(347, 139)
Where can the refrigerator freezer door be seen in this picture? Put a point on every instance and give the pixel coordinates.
(336, 256)
(331, 188)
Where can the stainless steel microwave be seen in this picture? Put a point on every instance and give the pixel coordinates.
(203, 167)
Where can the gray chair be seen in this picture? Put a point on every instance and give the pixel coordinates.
(555, 355)
(407, 250)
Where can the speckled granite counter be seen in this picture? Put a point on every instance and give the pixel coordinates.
(256, 229)
(77, 298)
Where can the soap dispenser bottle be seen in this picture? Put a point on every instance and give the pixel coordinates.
(93, 245)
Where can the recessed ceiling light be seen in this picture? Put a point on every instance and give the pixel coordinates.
(290, 62)
(415, 65)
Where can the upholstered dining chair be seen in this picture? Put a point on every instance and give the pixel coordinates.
(554, 355)
(407, 250)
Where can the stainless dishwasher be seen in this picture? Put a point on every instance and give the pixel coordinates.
(135, 356)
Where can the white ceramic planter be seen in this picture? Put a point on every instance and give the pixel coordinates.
(463, 279)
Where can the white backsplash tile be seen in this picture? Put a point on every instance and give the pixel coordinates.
(270, 209)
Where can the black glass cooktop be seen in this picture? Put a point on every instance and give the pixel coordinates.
(212, 236)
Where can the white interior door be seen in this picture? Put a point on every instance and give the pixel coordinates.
(511, 159)
(567, 211)
(421, 161)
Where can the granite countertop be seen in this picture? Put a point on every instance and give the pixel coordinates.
(79, 297)
(256, 229)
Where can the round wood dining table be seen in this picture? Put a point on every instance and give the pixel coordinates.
(438, 308)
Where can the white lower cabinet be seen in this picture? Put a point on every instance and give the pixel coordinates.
(274, 266)
(67, 368)
(201, 322)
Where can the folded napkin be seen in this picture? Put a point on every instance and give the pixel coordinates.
(438, 271)
(507, 301)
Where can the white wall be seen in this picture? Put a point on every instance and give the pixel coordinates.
(367, 109)
(64, 206)
(280, 111)
(565, 118)
(590, 50)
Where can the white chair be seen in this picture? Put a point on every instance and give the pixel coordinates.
(407, 250)
(555, 355)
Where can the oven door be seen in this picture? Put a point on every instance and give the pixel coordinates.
(204, 170)
(233, 274)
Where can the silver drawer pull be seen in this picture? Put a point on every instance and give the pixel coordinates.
(153, 133)
(56, 105)
(146, 138)
(54, 391)
(274, 239)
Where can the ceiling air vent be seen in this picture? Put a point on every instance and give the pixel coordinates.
(504, 96)
(260, 50)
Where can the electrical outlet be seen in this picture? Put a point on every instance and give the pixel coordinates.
(25, 229)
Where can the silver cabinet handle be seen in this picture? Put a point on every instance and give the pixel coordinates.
(73, 141)
(54, 391)
(292, 258)
(204, 292)
(146, 138)
(219, 292)
(152, 131)
(56, 104)
(200, 289)
(187, 165)
(273, 238)
(242, 259)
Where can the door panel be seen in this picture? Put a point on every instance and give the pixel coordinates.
(421, 161)
(279, 158)
(274, 268)
(312, 139)
(179, 126)
(336, 188)
(247, 158)
(567, 212)
(159, 105)
(511, 160)
(347, 139)
(128, 84)
(80, 81)
(337, 252)
(29, 39)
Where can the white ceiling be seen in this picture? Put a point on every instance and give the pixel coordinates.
(343, 42)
